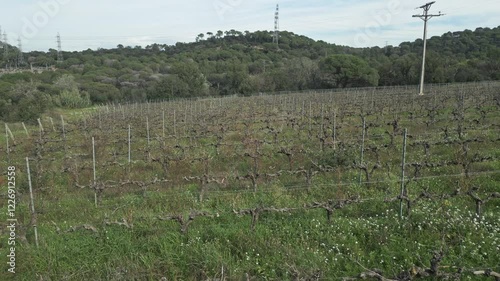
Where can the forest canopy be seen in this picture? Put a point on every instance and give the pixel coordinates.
(233, 62)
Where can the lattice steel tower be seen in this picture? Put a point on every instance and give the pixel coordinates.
(6, 45)
(20, 58)
(59, 49)
(276, 35)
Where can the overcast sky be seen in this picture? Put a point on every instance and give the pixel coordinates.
(96, 24)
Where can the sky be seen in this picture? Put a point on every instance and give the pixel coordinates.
(84, 24)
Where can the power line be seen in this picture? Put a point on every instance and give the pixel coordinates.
(425, 17)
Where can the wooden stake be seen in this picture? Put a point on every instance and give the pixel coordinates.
(310, 116)
(175, 125)
(52, 122)
(93, 165)
(362, 148)
(25, 130)
(403, 161)
(63, 129)
(7, 140)
(322, 119)
(99, 111)
(10, 134)
(129, 141)
(163, 123)
(147, 128)
(335, 130)
(33, 214)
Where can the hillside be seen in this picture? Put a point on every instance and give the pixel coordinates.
(304, 186)
(234, 62)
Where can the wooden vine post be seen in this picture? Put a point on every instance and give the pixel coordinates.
(25, 130)
(148, 136)
(63, 128)
(7, 141)
(52, 123)
(175, 126)
(93, 166)
(33, 214)
(362, 149)
(41, 128)
(129, 144)
(163, 124)
(335, 130)
(403, 162)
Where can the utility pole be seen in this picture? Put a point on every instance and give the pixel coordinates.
(425, 17)
(59, 49)
(276, 25)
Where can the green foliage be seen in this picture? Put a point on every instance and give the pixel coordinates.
(74, 99)
(341, 71)
(24, 103)
(244, 63)
(69, 93)
(190, 74)
(66, 83)
(145, 228)
(168, 87)
(101, 92)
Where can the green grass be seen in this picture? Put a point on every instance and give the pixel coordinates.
(301, 241)
(125, 239)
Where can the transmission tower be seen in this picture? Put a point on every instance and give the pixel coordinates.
(20, 59)
(6, 46)
(425, 17)
(3, 45)
(59, 49)
(276, 25)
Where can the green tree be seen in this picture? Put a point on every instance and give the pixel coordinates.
(66, 82)
(70, 95)
(190, 74)
(101, 92)
(27, 103)
(168, 87)
(200, 37)
(407, 69)
(347, 70)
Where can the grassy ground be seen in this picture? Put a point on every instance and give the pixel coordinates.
(241, 188)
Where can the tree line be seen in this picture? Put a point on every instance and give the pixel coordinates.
(234, 62)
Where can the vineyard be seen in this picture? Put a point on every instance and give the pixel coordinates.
(355, 184)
